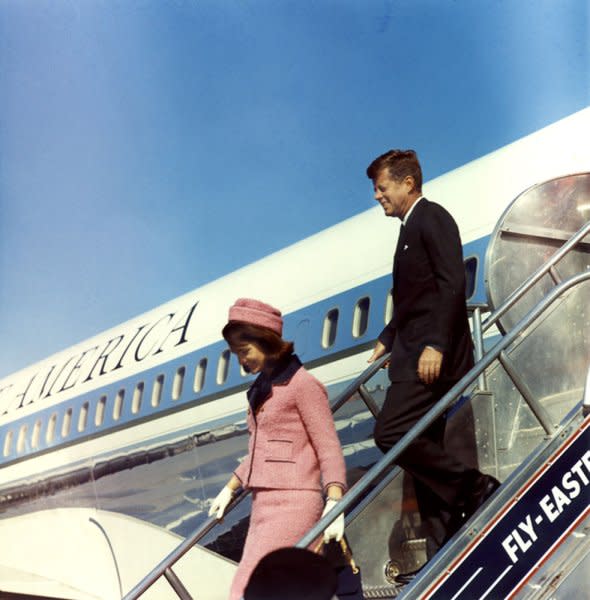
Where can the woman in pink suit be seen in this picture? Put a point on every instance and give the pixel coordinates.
(294, 455)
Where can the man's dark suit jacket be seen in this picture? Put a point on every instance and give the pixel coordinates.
(428, 296)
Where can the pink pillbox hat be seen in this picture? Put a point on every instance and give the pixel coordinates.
(255, 312)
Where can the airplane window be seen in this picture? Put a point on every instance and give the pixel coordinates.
(157, 391)
(137, 397)
(7, 443)
(470, 276)
(22, 437)
(301, 340)
(388, 315)
(200, 372)
(66, 424)
(36, 434)
(83, 418)
(100, 410)
(223, 367)
(178, 383)
(118, 405)
(50, 433)
(330, 328)
(360, 319)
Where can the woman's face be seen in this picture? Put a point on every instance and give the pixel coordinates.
(250, 356)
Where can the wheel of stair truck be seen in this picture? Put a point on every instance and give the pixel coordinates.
(533, 227)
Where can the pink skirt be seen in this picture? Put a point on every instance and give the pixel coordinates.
(279, 518)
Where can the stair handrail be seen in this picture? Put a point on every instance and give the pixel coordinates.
(586, 396)
(434, 413)
(475, 309)
(377, 470)
(170, 559)
(384, 463)
(524, 287)
(177, 553)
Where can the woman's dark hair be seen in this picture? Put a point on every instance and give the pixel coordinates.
(275, 348)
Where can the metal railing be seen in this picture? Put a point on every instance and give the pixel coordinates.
(164, 567)
(498, 352)
(586, 398)
(495, 353)
(546, 267)
(476, 309)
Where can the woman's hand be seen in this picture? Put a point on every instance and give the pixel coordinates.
(335, 530)
(221, 501)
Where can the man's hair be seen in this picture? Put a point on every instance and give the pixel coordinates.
(400, 164)
(275, 348)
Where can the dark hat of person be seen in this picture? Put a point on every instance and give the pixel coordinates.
(291, 574)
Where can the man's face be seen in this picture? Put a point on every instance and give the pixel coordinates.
(394, 196)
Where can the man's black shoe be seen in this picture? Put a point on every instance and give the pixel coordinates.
(405, 578)
(475, 493)
(483, 487)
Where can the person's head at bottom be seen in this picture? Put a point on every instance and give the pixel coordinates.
(291, 574)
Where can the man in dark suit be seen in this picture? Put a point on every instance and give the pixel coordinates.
(430, 345)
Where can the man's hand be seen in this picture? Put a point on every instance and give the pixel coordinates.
(378, 352)
(429, 364)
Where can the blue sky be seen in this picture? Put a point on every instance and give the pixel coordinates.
(148, 147)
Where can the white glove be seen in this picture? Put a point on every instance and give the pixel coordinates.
(221, 501)
(335, 530)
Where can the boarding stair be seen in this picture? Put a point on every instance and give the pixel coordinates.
(519, 415)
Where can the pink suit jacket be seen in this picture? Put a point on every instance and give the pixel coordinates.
(293, 442)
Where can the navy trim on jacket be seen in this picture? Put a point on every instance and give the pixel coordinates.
(261, 389)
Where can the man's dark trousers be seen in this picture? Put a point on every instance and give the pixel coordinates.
(438, 476)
